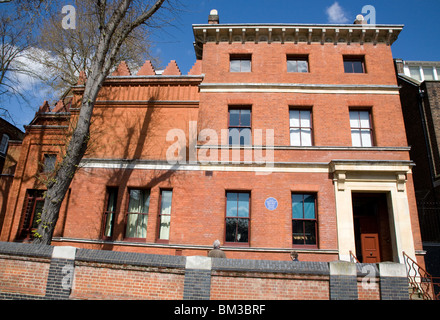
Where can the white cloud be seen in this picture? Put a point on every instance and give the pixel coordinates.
(336, 14)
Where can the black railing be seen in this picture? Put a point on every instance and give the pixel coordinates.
(421, 281)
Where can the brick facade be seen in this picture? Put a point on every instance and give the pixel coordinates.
(139, 121)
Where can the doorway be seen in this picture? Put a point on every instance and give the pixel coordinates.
(372, 227)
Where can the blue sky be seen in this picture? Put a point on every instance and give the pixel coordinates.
(418, 40)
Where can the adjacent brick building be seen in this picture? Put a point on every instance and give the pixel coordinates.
(281, 137)
(420, 98)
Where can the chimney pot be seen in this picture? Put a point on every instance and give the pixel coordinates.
(360, 19)
(213, 17)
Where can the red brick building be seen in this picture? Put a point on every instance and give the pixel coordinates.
(281, 137)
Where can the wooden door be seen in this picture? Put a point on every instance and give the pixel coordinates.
(370, 247)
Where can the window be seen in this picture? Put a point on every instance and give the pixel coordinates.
(240, 63)
(304, 222)
(297, 64)
(354, 64)
(33, 207)
(165, 214)
(239, 126)
(300, 128)
(49, 162)
(415, 73)
(137, 213)
(428, 72)
(4, 144)
(110, 212)
(361, 130)
(237, 217)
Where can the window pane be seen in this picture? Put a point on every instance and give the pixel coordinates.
(245, 65)
(305, 118)
(108, 225)
(136, 226)
(243, 205)
(111, 202)
(415, 73)
(306, 137)
(139, 201)
(234, 117)
(366, 138)
(295, 137)
(438, 73)
(292, 66)
(303, 66)
(358, 67)
(4, 143)
(428, 73)
(37, 213)
(364, 119)
(309, 232)
(297, 232)
(348, 66)
(164, 232)
(297, 206)
(234, 136)
(356, 138)
(309, 206)
(245, 118)
(166, 202)
(235, 66)
(49, 162)
(245, 137)
(294, 118)
(354, 119)
(231, 229)
(231, 204)
(242, 230)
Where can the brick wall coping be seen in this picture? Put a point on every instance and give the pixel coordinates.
(182, 262)
(26, 249)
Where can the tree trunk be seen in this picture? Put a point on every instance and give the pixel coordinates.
(110, 40)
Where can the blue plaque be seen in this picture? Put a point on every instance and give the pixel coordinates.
(271, 203)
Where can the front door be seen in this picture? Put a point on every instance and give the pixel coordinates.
(370, 247)
(370, 215)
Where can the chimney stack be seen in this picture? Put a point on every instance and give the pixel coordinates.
(360, 19)
(213, 17)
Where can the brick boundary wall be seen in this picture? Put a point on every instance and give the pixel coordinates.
(33, 272)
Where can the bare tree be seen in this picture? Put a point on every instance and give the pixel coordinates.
(116, 20)
(14, 42)
(65, 52)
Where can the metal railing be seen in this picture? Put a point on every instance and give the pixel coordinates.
(421, 281)
(353, 258)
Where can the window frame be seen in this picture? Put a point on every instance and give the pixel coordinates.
(297, 57)
(5, 138)
(126, 238)
(248, 218)
(355, 58)
(240, 57)
(360, 129)
(309, 109)
(29, 214)
(240, 108)
(315, 196)
(48, 155)
(106, 212)
(159, 216)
